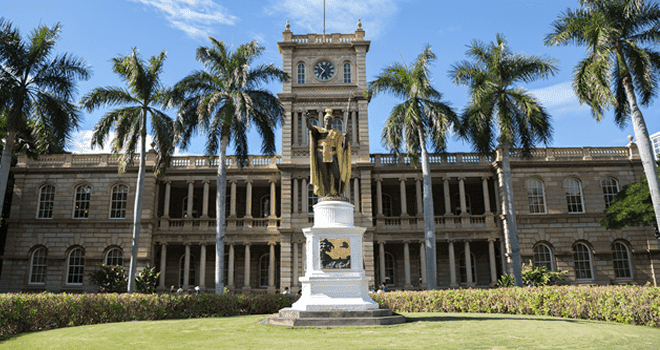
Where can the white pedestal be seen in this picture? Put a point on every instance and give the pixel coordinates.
(334, 279)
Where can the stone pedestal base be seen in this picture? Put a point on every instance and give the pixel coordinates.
(294, 318)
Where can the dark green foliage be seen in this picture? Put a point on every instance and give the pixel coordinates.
(536, 276)
(632, 206)
(634, 305)
(20, 313)
(146, 280)
(109, 278)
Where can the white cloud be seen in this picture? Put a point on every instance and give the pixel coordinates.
(82, 141)
(306, 16)
(196, 18)
(556, 95)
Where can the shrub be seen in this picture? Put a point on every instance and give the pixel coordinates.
(536, 276)
(146, 280)
(634, 305)
(21, 313)
(109, 278)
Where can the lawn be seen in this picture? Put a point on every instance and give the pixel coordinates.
(423, 331)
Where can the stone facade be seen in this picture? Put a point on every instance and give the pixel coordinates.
(560, 195)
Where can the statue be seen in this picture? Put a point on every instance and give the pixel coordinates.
(330, 158)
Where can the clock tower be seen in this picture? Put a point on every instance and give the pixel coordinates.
(327, 71)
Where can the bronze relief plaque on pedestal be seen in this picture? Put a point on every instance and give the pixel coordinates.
(335, 253)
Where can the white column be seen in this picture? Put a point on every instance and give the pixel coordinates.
(422, 260)
(248, 199)
(191, 194)
(295, 117)
(205, 200)
(493, 266)
(354, 130)
(468, 265)
(168, 191)
(246, 280)
(446, 195)
(381, 244)
(484, 187)
(418, 192)
(356, 189)
(404, 199)
(232, 206)
(163, 264)
(379, 195)
(202, 266)
(273, 199)
(406, 264)
(271, 266)
(296, 272)
(304, 196)
(230, 273)
(461, 195)
(295, 196)
(186, 267)
(452, 266)
(304, 257)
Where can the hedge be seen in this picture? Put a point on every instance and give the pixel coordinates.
(33, 312)
(635, 305)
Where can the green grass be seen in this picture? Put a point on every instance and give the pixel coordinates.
(423, 331)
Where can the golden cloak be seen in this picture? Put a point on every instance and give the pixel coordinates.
(334, 139)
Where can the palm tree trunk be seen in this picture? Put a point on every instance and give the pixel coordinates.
(429, 220)
(221, 184)
(643, 146)
(5, 165)
(137, 213)
(511, 223)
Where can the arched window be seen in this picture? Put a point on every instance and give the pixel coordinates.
(46, 200)
(621, 260)
(75, 267)
(114, 257)
(387, 205)
(338, 124)
(184, 205)
(264, 206)
(462, 268)
(610, 189)
(573, 189)
(263, 270)
(582, 257)
(81, 205)
(38, 265)
(312, 199)
(347, 72)
(192, 273)
(301, 73)
(389, 269)
(118, 202)
(536, 196)
(543, 257)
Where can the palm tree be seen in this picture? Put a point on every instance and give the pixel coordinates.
(130, 123)
(498, 106)
(420, 118)
(36, 92)
(222, 102)
(619, 64)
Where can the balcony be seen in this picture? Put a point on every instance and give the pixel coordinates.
(233, 225)
(413, 223)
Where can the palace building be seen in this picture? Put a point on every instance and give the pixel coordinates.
(72, 212)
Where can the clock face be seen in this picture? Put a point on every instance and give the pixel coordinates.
(324, 70)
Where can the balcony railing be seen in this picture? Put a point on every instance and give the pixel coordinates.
(441, 222)
(209, 224)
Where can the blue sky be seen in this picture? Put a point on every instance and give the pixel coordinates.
(102, 29)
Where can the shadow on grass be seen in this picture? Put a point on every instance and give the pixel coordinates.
(415, 318)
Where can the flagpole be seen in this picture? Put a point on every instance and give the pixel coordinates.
(324, 21)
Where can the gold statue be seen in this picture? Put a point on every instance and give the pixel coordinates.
(330, 158)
